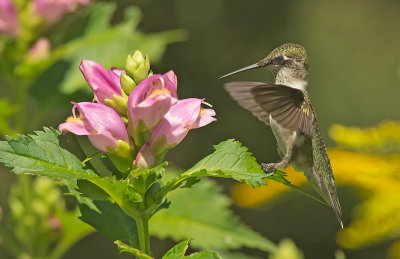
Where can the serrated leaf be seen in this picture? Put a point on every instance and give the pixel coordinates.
(203, 213)
(179, 250)
(230, 160)
(41, 154)
(122, 247)
(110, 220)
(119, 191)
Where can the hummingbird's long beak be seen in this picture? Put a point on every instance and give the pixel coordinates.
(256, 65)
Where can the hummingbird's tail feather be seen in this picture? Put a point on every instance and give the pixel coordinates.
(320, 175)
(325, 190)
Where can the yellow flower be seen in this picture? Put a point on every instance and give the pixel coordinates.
(384, 138)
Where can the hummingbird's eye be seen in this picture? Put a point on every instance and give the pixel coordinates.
(278, 60)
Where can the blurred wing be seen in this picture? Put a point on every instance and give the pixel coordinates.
(288, 106)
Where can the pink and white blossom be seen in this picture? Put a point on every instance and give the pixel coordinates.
(185, 115)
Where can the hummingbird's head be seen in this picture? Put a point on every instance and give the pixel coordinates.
(287, 56)
(286, 60)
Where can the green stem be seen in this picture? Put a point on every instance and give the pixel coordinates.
(142, 223)
(21, 99)
(26, 183)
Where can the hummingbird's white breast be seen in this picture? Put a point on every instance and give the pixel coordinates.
(289, 77)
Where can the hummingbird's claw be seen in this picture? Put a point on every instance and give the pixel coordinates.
(268, 168)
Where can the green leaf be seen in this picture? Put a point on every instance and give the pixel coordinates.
(236, 255)
(120, 192)
(41, 154)
(279, 177)
(122, 247)
(179, 250)
(110, 46)
(110, 220)
(203, 213)
(230, 160)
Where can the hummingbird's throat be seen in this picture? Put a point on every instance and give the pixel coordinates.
(292, 78)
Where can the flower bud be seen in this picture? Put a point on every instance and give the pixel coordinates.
(40, 50)
(127, 84)
(185, 115)
(105, 84)
(148, 103)
(137, 66)
(103, 126)
(146, 157)
(52, 11)
(9, 23)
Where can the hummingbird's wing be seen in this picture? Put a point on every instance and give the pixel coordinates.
(287, 105)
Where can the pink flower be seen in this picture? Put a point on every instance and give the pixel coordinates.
(146, 157)
(185, 115)
(54, 10)
(40, 49)
(150, 101)
(103, 126)
(104, 83)
(9, 23)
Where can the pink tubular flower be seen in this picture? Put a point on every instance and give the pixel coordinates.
(146, 157)
(104, 83)
(150, 101)
(40, 49)
(185, 115)
(103, 126)
(9, 23)
(54, 10)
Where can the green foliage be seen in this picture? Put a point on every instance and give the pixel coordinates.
(110, 220)
(203, 213)
(6, 111)
(73, 230)
(122, 247)
(176, 252)
(41, 154)
(105, 43)
(179, 250)
(39, 225)
(229, 160)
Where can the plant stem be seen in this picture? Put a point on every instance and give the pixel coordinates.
(142, 223)
(21, 99)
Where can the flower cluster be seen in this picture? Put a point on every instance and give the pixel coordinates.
(9, 24)
(50, 11)
(136, 115)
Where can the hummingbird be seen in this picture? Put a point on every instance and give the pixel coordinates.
(285, 106)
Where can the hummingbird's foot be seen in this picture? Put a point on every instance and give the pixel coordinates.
(269, 168)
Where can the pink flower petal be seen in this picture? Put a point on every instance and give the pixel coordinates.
(9, 23)
(185, 115)
(104, 83)
(100, 123)
(149, 102)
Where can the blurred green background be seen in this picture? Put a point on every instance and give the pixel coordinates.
(354, 79)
